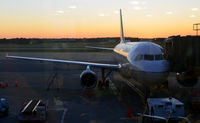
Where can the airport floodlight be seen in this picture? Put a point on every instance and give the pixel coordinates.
(196, 27)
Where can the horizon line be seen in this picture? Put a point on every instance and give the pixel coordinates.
(84, 38)
(93, 37)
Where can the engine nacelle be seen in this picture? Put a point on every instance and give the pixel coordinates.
(187, 79)
(88, 79)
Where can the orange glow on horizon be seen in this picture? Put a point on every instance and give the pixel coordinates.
(75, 35)
(80, 30)
(47, 19)
(97, 34)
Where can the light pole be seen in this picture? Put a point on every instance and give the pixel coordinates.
(196, 27)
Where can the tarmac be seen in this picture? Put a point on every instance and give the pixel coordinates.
(68, 102)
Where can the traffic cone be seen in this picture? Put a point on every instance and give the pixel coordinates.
(22, 103)
(6, 85)
(16, 84)
(89, 94)
(2, 85)
(129, 112)
(107, 84)
(195, 93)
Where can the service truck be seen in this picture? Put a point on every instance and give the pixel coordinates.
(4, 107)
(34, 110)
(168, 109)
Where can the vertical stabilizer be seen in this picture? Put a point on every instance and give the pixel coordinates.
(122, 31)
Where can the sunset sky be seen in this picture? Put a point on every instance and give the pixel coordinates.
(97, 18)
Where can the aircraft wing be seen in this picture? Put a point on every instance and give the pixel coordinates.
(99, 48)
(99, 65)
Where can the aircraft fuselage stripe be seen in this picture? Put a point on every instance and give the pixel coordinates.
(121, 52)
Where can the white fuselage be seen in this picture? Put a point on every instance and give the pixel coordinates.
(144, 61)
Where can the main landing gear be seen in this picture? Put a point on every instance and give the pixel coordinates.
(105, 81)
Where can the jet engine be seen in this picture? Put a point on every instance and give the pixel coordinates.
(88, 79)
(187, 79)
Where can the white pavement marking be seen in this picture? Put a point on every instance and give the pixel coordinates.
(63, 115)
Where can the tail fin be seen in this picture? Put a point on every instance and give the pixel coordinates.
(122, 31)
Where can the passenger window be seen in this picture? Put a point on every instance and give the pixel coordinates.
(139, 57)
(148, 57)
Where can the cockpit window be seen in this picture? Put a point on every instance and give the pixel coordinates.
(139, 57)
(149, 57)
(159, 57)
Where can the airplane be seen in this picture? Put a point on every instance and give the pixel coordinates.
(143, 61)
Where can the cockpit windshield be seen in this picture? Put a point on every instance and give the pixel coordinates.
(139, 57)
(149, 57)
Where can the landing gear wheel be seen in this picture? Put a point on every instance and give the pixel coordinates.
(147, 93)
(152, 113)
(107, 83)
(100, 84)
(166, 85)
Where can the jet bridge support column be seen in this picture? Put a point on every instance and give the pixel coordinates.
(51, 81)
(103, 75)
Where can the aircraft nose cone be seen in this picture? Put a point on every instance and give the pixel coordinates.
(156, 66)
(150, 78)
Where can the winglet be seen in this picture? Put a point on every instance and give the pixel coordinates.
(122, 31)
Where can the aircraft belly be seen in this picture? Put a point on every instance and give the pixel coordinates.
(150, 78)
(145, 78)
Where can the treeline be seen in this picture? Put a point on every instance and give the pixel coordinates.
(63, 40)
